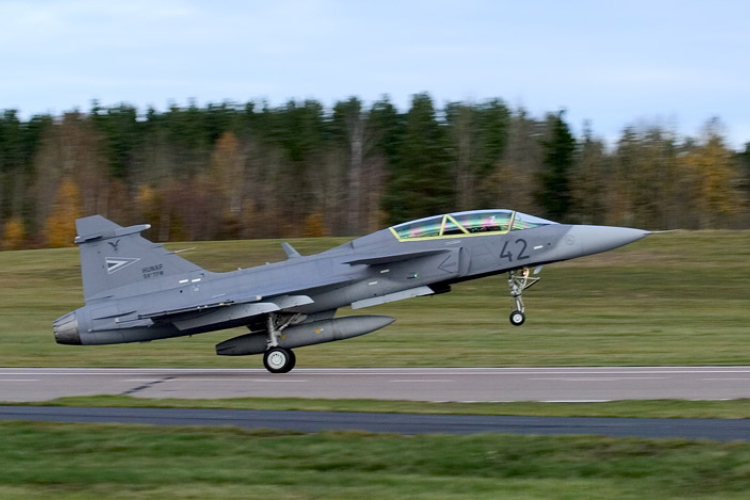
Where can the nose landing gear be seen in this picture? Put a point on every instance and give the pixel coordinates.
(518, 281)
(517, 318)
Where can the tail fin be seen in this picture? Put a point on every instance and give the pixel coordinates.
(113, 256)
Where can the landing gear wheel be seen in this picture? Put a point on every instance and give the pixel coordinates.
(517, 318)
(279, 360)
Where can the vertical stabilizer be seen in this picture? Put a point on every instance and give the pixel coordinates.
(113, 256)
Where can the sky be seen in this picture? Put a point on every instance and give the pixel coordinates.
(613, 63)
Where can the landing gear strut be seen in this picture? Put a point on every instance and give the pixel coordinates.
(518, 281)
(278, 359)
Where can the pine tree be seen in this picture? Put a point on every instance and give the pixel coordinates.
(554, 195)
(479, 136)
(422, 181)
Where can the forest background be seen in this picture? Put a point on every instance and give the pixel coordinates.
(229, 171)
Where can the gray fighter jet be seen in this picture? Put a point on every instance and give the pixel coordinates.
(137, 291)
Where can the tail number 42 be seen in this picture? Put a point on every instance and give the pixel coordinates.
(507, 254)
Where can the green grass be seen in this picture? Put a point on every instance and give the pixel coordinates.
(677, 298)
(635, 408)
(75, 461)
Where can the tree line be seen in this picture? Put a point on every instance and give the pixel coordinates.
(227, 170)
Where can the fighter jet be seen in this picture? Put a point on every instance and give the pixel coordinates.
(138, 291)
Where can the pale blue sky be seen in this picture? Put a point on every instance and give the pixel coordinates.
(613, 63)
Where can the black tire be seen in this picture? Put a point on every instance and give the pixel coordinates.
(293, 361)
(517, 318)
(279, 360)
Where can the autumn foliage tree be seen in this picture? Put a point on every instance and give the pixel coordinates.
(227, 173)
(14, 234)
(711, 171)
(60, 228)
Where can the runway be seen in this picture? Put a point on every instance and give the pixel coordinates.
(417, 384)
(307, 421)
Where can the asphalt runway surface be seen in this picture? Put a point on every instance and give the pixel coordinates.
(306, 421)
(416, 384)
(430, 384)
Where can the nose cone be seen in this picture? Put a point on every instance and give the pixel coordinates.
(66, 330)
(597, 239)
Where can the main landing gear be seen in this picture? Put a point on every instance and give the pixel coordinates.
(518, 281)
(278, 359)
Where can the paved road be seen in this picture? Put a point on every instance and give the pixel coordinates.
(430, 384)
(720, 430)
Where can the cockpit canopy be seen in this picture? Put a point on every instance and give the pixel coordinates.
(474, 222)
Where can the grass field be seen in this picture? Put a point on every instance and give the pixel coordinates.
(73, 461)
(678, 298)
(739, 408)
(672, 299)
